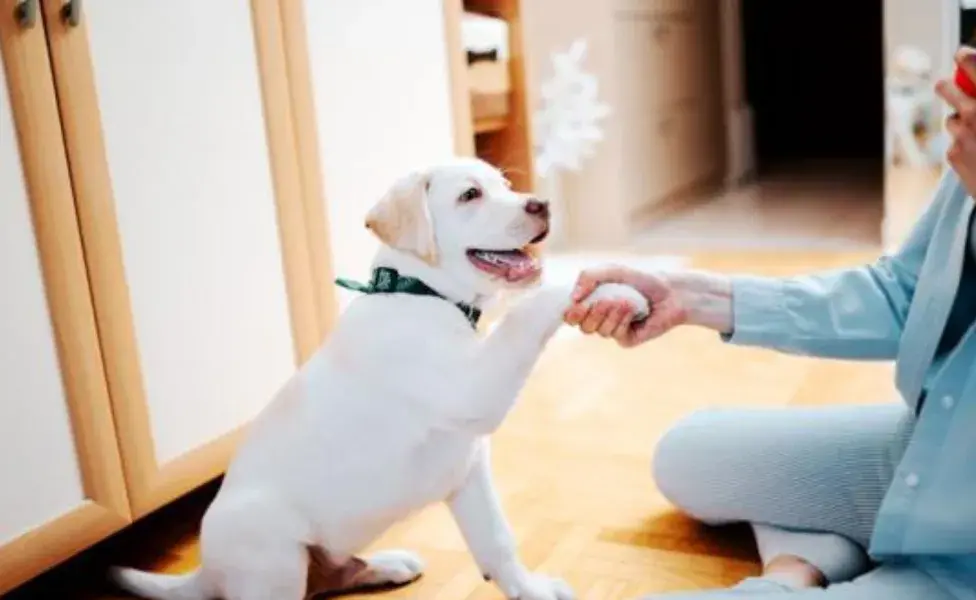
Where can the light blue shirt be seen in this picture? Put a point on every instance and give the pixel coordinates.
(897, 309)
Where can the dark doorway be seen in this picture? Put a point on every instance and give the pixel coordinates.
(967, 26)
(814, 74)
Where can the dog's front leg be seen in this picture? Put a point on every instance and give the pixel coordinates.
(499, 365)
(479, 515)
(496, 367)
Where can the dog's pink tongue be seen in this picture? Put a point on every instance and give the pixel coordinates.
(520, 266)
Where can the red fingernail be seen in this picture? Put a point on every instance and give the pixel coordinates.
(964, 82)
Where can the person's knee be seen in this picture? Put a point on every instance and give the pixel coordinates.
(683, 462)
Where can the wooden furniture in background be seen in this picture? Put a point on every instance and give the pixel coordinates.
(177, 209)
(654, 137)
(458, 72)
(503, 141)
(669, 98)
(171, 280)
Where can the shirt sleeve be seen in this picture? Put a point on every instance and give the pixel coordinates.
(854, 313)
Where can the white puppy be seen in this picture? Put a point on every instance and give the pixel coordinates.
(393, 412)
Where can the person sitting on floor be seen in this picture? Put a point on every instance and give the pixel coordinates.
(870, 502)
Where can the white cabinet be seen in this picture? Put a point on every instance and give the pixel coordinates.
(156, 294)
(187, 158)
(183, 156)
(34, 417)
(667, 90)
(62, 484)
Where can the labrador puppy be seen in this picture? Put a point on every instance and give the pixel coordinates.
(394, 411)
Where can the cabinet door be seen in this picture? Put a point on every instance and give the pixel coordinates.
(645, 161)
(164, 110)
(62, 477)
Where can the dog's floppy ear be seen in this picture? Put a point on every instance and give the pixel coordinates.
(401, 219)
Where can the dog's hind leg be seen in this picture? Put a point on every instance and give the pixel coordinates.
(383, 570)
(279, 576)
(252, 546)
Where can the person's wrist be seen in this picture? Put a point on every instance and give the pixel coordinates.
(703, 299)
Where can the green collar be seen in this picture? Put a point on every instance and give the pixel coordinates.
(388, 281)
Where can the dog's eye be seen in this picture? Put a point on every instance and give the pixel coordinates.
(470, 194)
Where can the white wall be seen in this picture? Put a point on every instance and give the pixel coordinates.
(921, 23)
(383, 106)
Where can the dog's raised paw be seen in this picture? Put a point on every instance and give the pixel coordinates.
(620, 292)
(394, 567)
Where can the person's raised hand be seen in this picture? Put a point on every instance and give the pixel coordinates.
(961, 125)
(613, 319)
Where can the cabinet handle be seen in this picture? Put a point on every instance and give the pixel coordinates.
(26, 13)
(71, 12)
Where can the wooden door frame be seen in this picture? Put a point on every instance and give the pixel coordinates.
(736, 112)
(304, 249)
(294, 34)
(457, 64)
(511, 147)
(24, 55)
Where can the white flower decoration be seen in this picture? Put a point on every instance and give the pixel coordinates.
(567, 127)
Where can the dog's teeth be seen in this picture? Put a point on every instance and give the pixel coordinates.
(499, 258)
(490, 257)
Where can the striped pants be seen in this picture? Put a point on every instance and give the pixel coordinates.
(809, 470)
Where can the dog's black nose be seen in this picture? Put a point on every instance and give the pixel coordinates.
(539, 208)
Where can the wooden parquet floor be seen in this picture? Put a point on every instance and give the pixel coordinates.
(573, 466)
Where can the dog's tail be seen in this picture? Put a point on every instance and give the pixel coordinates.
(189, 586)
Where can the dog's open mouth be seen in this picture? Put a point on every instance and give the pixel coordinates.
(512, 265)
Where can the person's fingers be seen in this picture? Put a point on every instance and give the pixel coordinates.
(961, 153)
(622, 331)
(625, 336)
(954, 155)
(966, 60)
(598, 313)
(963, 138)
(948, 91)
(964, 106)
(955, 127)
(575, 315)
(620, 313)
(644, 331)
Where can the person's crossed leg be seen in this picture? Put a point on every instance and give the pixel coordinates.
(809, 481)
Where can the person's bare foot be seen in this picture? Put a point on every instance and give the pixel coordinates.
(794, 571)
(781, 575)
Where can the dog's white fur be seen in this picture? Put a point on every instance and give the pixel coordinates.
(391, 414)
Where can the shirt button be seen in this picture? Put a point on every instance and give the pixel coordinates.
(911, 480)
(948, 402)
